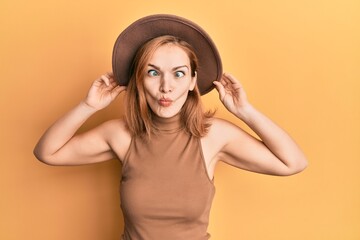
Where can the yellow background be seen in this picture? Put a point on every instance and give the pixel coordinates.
(298, 60)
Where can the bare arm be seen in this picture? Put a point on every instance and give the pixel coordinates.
(276, 153)
(60, 146)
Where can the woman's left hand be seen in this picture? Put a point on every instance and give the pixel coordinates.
(232, 95)
(275, 153)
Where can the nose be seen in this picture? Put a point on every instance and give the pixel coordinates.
(165, 85)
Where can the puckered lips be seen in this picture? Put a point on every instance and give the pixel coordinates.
(165, 102)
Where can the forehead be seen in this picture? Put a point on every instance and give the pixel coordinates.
(169, 54)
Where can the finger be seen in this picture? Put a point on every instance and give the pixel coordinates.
(226, 84)
(231, 78)
(105, 79)
(110, 74)
(113, 82)
(117, 90)
(220, 88)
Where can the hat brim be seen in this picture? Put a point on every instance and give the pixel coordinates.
(147, 28)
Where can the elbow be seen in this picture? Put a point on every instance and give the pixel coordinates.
(37, 153)
(301, 165)
(40, 157)
(43, 158)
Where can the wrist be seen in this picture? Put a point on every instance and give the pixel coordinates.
(246, 112)
(86, 108)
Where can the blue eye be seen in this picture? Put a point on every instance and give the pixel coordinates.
(153, 73)
(179, 74)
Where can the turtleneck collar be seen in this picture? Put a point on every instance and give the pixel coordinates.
(169, 125)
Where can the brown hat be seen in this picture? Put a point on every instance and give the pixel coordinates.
(147, 28)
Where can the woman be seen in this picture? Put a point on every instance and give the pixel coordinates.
(167, 145)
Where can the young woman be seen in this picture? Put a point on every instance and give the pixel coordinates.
(167, 144)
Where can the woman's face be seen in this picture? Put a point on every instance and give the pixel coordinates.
(168, 80)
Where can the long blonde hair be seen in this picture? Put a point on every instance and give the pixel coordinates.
(139, 115)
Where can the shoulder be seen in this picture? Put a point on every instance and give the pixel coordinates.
(222, 126)
(114, 125)
(117, 136)
(223, 132)
(111, 128)
(219, 132)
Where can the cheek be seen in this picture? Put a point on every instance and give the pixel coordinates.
(182, 96)
(150, 98)
(183, 90)
(149, 89)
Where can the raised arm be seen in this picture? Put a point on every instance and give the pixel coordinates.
(275, 154)
(60, 146)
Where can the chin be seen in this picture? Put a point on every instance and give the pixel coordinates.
(167, 112)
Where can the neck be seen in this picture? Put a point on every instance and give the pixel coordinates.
(170, 124)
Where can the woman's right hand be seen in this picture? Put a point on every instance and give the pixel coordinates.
(103, 91)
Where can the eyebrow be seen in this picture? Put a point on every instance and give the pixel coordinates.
(175, 68)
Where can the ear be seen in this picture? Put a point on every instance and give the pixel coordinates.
(193, 82)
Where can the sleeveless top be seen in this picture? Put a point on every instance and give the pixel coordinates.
(165, 190)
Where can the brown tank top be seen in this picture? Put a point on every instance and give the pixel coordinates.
(165, 189)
